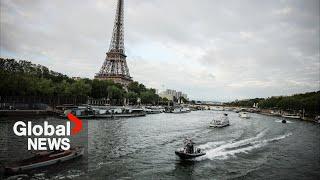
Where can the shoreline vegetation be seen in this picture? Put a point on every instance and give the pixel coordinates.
(36, 86)
(23, 79)
(306, 104)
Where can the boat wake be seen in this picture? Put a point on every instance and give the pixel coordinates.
(280, 121)
(227, 149)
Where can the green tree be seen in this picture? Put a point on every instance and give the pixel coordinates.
(115, 94)
(184, 99)
(99, 89)
(80, 88)
(45, 87)
(134, 87)
(132, 97)
(149, 97)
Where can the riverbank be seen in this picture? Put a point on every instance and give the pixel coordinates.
(57, 112)
(269, 112)
(279, 113)
(27, 113)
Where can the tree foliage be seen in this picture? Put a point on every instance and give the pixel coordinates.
(22, 78)
(310, 102)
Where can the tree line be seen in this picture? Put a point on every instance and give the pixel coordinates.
(23, 78)
(310, 102)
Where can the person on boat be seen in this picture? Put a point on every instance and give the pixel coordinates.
(189, 147)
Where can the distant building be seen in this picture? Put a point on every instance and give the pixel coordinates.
(170, 94)
(179, 94)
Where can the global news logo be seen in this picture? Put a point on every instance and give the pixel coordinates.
(47, 136)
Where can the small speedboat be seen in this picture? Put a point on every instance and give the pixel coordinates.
(284, 121)
(189, 151)
(44, 159)
(184, 155)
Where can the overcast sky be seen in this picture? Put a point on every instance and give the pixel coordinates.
(211, 50)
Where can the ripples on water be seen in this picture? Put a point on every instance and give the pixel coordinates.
(143, 148)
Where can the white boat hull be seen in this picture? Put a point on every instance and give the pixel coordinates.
(292, 117)
(244, 115)
(120, 115)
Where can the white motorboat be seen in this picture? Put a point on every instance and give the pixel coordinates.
(292, 116)
(219, 123)
(244, 115)
(153, 110)
(121, 112)
(181, 110)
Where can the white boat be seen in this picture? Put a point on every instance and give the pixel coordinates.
(237, 110)
(292, 116)
(244, 115)
(218, 108)
(181, 110)
(153, 110)
(219, 123)
(80, 112)
(44, 159)
(121, 112)
(275, 113)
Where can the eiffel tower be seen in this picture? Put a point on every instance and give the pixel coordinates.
(115, 65)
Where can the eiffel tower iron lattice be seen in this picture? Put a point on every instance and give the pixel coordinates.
(115, 65)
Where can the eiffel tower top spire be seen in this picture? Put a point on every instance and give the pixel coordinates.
(117, 41)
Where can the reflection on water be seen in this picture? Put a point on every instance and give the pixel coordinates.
(143, 148)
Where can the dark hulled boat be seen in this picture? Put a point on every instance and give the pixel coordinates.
(189, 151)
(184, 155)
(44, 159)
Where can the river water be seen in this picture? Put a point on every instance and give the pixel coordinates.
(143, 148)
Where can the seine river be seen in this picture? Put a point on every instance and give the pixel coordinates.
(143, 148)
